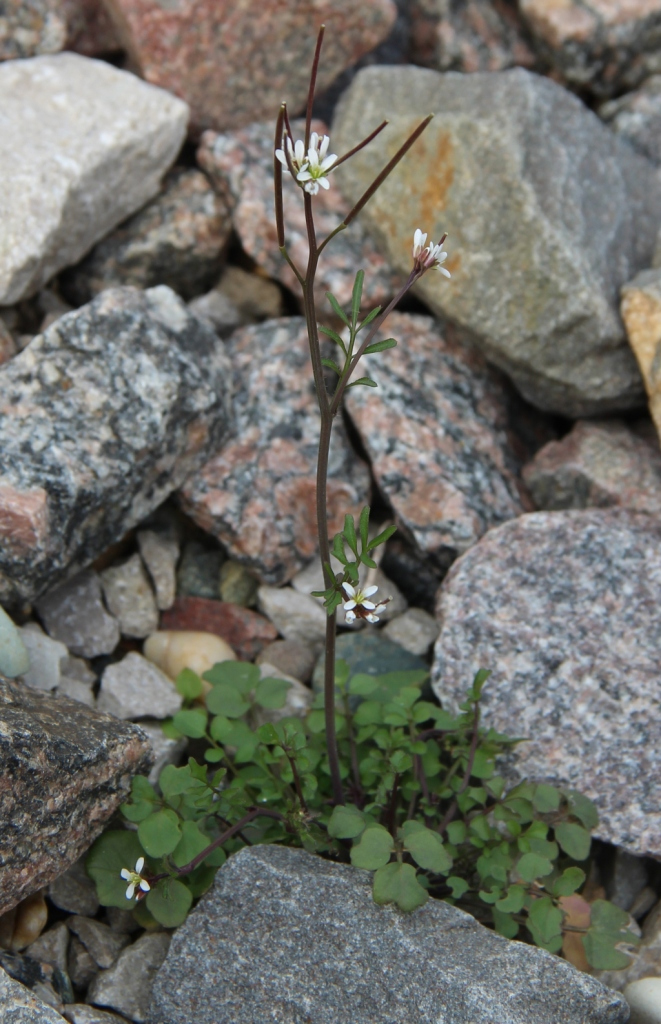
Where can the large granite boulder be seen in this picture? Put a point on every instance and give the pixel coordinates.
(564, 608)
(84, 146)
(548, 214)
(101, 417)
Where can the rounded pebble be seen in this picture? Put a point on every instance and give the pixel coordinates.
(644, 998)
(174, 650)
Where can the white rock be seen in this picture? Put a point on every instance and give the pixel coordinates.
(644, 998)
(84, 145)
(296, 616)
(76, 690)
(129, 597)
(45, 656)
(135, 688)
(160, 554)
(174, 650)
(415, 630)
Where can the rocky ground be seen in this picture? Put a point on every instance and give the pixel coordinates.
(158, 436)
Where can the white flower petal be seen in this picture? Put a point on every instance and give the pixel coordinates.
(372, 617)
(314, 139)
(348, 605)
(380, 609)
(139, 864)
(323, 148)
(368, 591)
(281, 157)
(303, 174)
(350, 616)
(442, 270)
(129, 892)
(328, 162)
(299, 150)
(125, 874)
(144, 885)
(348, 589)
(369, 605)
(312, 187)
(324, 182)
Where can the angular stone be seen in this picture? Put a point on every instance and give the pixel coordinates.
(415, 630)
(14, 657)
(126, 986)
(46, 657)
(74, 614)
(160, 554)
(64, 771)
(82, 965)
(604, 45)
(548, 214)
(289, 657)
(121, 136)
(237, 585)
(228, 61)
(240, 165)
(19, 1004)
(129, 597)
(564, 608)
(245, 630)
(81, 1013)
(636, 118)
(52, 946)
(295, 616)
(257, 494)
(101, 942)
(136, 688)
(33, 27)
(74, 891)
(175, 650)
(468, 36)
(599, 463)
(198, 572)
(165, 750)
(101, 418)
(177, 240)
(253, 947)
(641, 312)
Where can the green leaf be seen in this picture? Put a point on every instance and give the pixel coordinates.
(188, 684)
(373, 849)
(426, 848)
(350, 534)
(606, 917)
(397, 883)
(370, 316)
(170, 902)
(109, 855)
(364, 526)
(224, 699)
(356, 296)
(362, 685)
(332, 365)
(191, 843)
(456, 831)
(370, 712)
(175, 781)
(272, 693)
(582, 808)
(573, 839)
(459, 886)
(532, 866)
(380, 346)
(169, 730)
(546, 799)
(338, 548)
(569, 881)
(512, 903)
(334, 336)
(491, 897)
(544, 919)
(504, 924)
(337, 309)
(382, 537)
(192, 722)
(601, 953)
(346, 822)
(159, 833)
(240, 674)
(367, 381)
(479, 680)
(213, 755)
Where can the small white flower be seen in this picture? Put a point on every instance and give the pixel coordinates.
(430, 257)
(135, 879)
(311, 170)
(358, 605)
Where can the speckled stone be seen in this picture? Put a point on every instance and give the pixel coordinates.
(234, 62)
(564, 608)
(101, 418)
(177, 239)
(130, 598)
(435, 431)
(548, 214)
(415, 630)
(119, 136)
(64, 770)
(18, 1005)
(240, 165)
(641, 312)
(160, 553)
(33, 27)
(126, 986)
(602, 45)
(290, 657)
(74, 891)
(598, 464)
(81, 1013)
(468, 35)
(257, 494)
(102, 943)
(136, 688)
(74, 613)
(636, 118)
(245, 630)
(286, 936)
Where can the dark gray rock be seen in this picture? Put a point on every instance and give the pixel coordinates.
(75, 891)
(74, 614)
(198, 572)
(548, 214)
(565, 609)
(101, 418)
(102, 943)
(285, 936)
(18, 1005)
(468, 35)
(636, 118)
(370, 652)
(52, 946)
(126, 986)
(64, 770)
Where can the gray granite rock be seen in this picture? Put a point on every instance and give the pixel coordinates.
(46, 657)
(64, 770)
(52, 946)
(32, 27)
(565, 609)
(286, 936)
(101, 418)
(126, 986)
(469, 35)
(102, 943)
(119, 135)
(257, 494)
(136, 688)
(369, 651)
(74, 891)
(296, 616)
(415, 630)
(160, 553)
(18, 1005)
(130, 598)
(636, 118)
(548, 214)
(74, 614)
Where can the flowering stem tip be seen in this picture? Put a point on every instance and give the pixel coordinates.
(135, 880)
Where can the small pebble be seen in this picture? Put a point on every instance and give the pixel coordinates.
(30, 921)
(52, 946)
(173, 651)
(237, 586)
(135, 687)
(415, 630)
(81, 1013)
(74, 891)
(46, 658)
(82, 965)
(160, 554)
(126, 986)
(644, 998)
(130, 598)
(296, 616)
(290, 657)
(14, 658)
(198, 573)
(100, 941)
(74, 613)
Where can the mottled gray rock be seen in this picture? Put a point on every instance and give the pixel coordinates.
(81, 1013)
(198, 572)
(239, 298)
(118, 134)
(257, 494)
(286, 936)
(74, 613)
(565, 609)
(290, 657)
(32, 27)
(82, 965)
(237, 585)
(77, 690)
(130, 598)
(64, 770)
(165, 750)
(548, 214)
(371, 652)
(468, 35)
(599, 463)
(18, 1005)
(52, 946)
(636, 118)
(102, 943)
(160, 554)
(74, 891)
(46, 657)
(14, 657)
(126, 986)
(136, 688)
(415, 630)
(296, 616)
(101, 418)
(177, 239)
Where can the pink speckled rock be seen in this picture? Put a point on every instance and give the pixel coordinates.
(257, 495)
(32, 27)
(240, 165)
(565, 609)
(234, 60)
(469, 35)
(435, 430)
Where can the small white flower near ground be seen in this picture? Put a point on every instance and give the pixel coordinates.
(135, 880)
(311, 169)
(431, 256)
(358, 605)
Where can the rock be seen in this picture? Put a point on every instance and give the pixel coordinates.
(136, 688)
(219, 311)
(636, 118)
(229, 62)
(253, 947)
(81, 1013)
(298, 702)
(52, 946)
(563, 608)
(121, 134)
(604, 47)
(46, 657)
(30, 921)
(627, 878)
(14, 657)
(74, 891)
(126, 987)
(244, 630)
(435, 430)
(129, 598)
(8, 347)
(597, 464)
(257, 494)
(198, 574)
(641, 312)
(644, 998)
(64, 770)
(82, 965)
(133, 375)
(177, 239)
(165, 750)
(290, 657)
(415, 630)
(33, 27)
(45, 981)
(74, 614)
(18, 1005)
(77, 681)
(296, 616)
(369, 652)
(122, 920)
(238, 299)
(541, 256)
(237, 586)
(160, 554)
(472, 36)
(417, 578)
(101, 942)
(240, 166)
(76, 690)
(175, 651)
